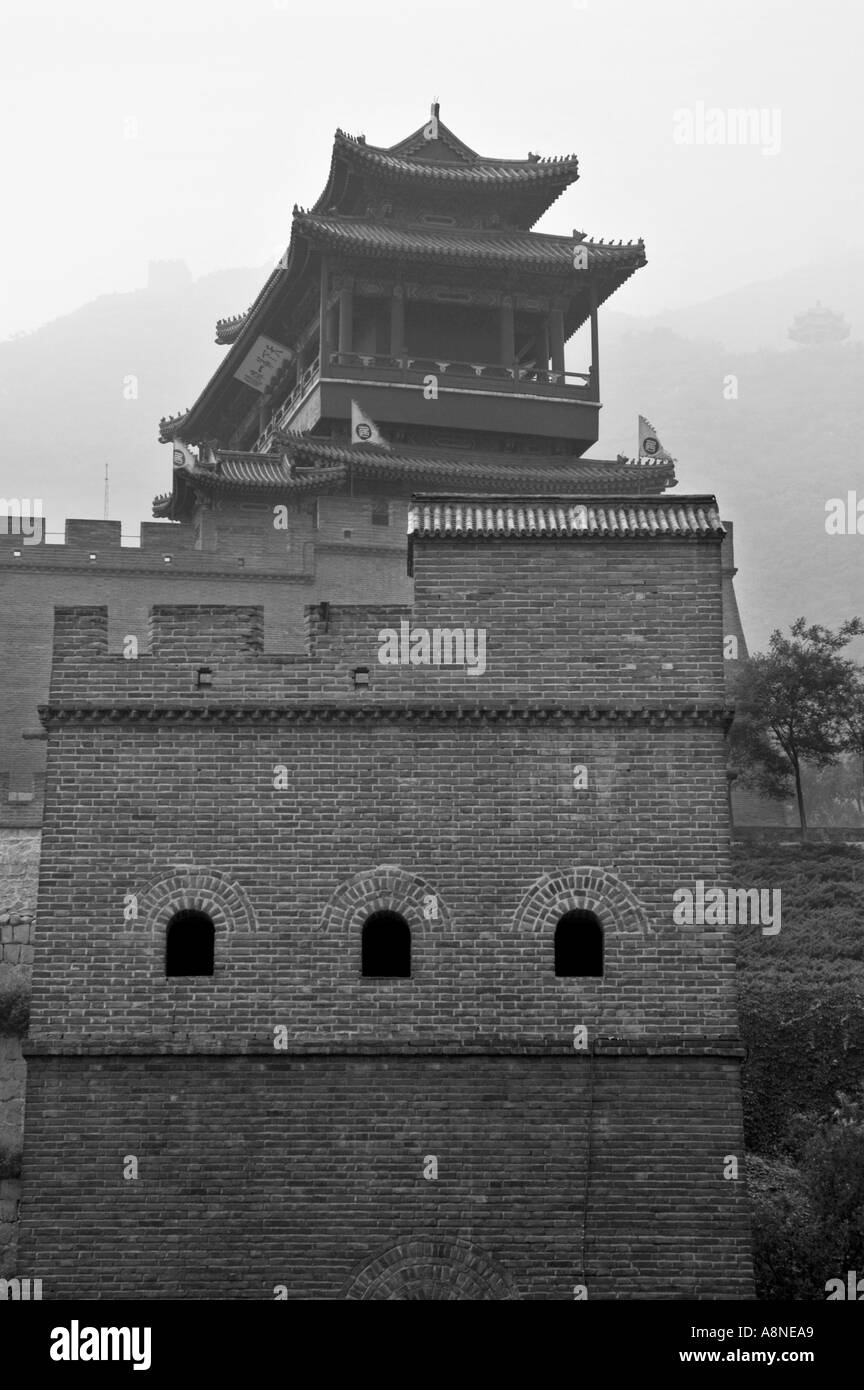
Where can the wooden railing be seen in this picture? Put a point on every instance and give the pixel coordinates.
(286, 409)
(486, 371)
(412, 370)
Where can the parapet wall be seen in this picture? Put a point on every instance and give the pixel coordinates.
(633, 622)
(256, 563)
(89, 542)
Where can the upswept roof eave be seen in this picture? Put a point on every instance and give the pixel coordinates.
(617, 262)
(483, 171)
(415, 242)
(536, 181)
(277, 282)
(308, 464)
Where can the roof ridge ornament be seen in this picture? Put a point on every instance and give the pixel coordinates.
(430, 130)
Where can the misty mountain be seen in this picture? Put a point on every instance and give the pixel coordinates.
(91, 387)
(758, 315)
(775, 435)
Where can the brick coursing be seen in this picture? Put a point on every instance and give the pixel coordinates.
(260, 1172)
(302, 1167)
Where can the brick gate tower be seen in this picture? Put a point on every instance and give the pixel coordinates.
(356, 971)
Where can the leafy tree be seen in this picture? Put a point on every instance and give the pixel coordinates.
(793, 703)
(835, 795)
(853, 724)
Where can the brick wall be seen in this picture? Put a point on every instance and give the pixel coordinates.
(620, 621)
(302, 1172)
(480, 812)
(289, 804)
(19, 866)
(280, 570)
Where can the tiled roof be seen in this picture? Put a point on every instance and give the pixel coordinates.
(561, 518)
(235, 470)
(170, 425)
(636, 475)
(520, 190)
(314, 464)
(526, 188)
(534, 250)
(228, 330)
(494, 172)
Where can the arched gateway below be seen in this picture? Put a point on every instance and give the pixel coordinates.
(430, 1271)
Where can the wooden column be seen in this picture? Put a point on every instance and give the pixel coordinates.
(323, 340)
(541, 346)
(556, 333)
(595, 346)
(397, 322)
(333, 324)
(508, 338)
(346, 319)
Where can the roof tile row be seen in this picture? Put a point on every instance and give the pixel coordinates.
(560, 519)
(532, 249)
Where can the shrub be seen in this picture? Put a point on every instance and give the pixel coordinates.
(786, 1262)
(807, 1205)
(801, 993)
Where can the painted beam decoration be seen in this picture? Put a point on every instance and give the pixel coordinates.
(262, 363)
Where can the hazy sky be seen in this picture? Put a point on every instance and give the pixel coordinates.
(189, 128)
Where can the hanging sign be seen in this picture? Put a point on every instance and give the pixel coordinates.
(263, 363)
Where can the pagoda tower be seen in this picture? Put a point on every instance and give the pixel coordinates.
(356, 972)
(819, 325)
(415, 299)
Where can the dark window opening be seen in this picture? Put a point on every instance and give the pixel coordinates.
(579, 945)
(189, 943)
(380, 513)
(386, 945)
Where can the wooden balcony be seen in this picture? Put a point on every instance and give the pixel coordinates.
(470, 395)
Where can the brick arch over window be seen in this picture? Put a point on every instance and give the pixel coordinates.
(202, 890)
(592, 890)
(427, 1270)
(386, 888)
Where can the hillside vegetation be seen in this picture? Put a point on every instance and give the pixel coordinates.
(801, 1001)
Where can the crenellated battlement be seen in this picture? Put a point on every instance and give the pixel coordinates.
(91, 541)
(205, 630)
(500, 606)
(80, 633)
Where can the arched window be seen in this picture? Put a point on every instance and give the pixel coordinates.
(579, 944)
(386, 946)
(189, 943)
